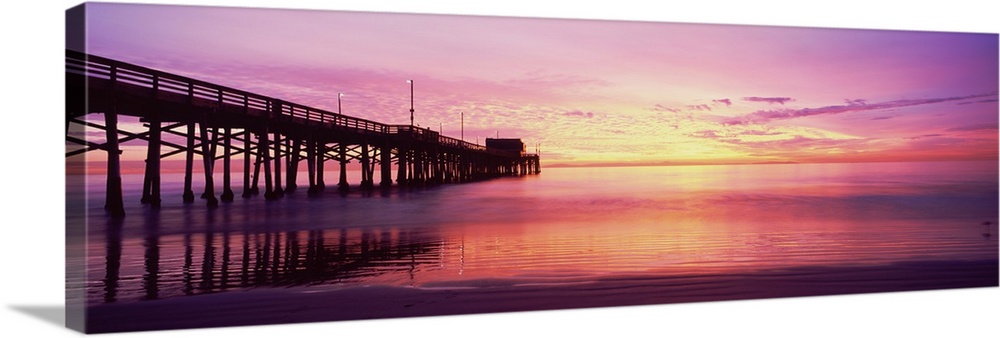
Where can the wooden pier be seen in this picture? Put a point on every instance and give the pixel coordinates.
(271, 136)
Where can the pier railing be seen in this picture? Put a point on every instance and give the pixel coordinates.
(163, 84)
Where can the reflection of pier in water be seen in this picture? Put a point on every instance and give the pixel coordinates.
(191, 117)
(216, 260)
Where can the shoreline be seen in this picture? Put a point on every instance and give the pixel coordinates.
(332, 303)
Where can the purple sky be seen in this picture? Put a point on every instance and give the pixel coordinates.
(956, 312)
(596, 91)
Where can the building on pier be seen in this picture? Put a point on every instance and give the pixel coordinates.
(514, 146)
(526, 163)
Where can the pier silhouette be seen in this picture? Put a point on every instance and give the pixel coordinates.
(268, 134)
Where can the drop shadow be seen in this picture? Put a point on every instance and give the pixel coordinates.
(52, 314)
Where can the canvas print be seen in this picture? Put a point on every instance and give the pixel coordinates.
(241, 166)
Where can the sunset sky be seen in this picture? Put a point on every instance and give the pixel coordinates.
(595, 92)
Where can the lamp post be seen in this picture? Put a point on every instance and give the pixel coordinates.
(411, 101)
(463, 126)
(339, 95)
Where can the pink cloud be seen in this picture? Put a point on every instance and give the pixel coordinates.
(798, 146)
(925, 136)
(577, 113)
(975, 127)
(701, 107)
(729, 137)
(727, 102)
(764, 116)
(772, 100)
(709, 134)
(662, 108)
(760, 133)
(980, 101)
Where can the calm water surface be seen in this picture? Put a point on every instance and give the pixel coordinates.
(567, 225)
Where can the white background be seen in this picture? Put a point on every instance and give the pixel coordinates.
(31, 178)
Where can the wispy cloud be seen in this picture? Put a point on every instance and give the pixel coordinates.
(700, 107)
(709, 134)
(925, 136)
(980, 101)
(554, 81)
(764, 116)
(772, 100)
(799, 145)
(882, 118)
(731, 134)
(726, 102)
(662, 108)
(760, 133)
(577, 113)
(975, 127)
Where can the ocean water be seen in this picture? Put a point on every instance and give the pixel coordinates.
(564, 226)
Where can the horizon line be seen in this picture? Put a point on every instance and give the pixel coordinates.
(682, 164)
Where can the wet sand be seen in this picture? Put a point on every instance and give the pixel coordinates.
(331, 303)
